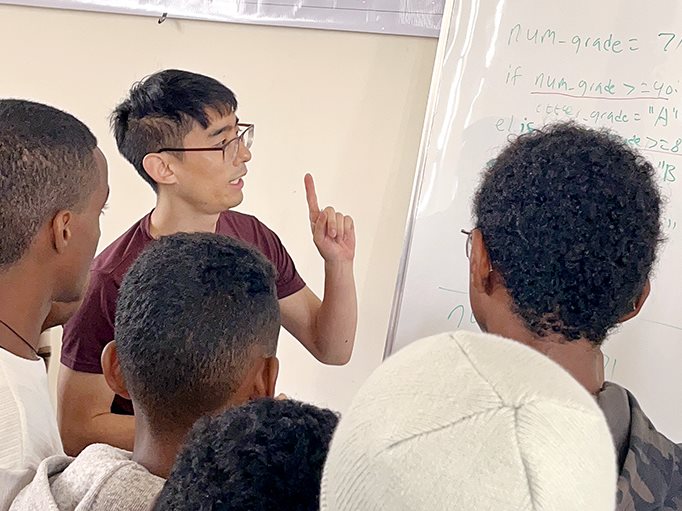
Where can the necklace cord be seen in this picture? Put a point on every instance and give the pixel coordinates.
(21, 338)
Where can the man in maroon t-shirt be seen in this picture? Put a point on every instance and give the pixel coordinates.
(180, 132)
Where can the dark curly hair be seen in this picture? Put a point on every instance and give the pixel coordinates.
(571, 219)
(265, 455)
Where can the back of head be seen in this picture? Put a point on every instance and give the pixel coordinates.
(46, 165)
(265, 455)
(194, 312)
(571, 220)
(470, 421)
(161, 109)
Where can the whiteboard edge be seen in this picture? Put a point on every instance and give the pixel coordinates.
(429, 116)
(160, 14)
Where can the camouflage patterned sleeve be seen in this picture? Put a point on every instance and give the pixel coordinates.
(651, 477)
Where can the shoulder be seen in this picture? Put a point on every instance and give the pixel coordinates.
(643, 433)
(130, 487)
(33, 495)
(653, 463)
(253, 232)
(234, 222)
(119, 461)
(125, 484)
(27, 434)
(250, 230)
(11, 444)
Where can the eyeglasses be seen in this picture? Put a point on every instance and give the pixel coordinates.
(229, 148)
(467, 248)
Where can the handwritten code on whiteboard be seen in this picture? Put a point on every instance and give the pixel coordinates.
(505, 68)
(405, 17)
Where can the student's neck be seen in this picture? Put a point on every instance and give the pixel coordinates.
(173, 215)
(583, 360)
(24, 307)
(156, 452)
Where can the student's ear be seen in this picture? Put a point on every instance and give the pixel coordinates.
(638, 303)
(266, 378)
(61, 230)
(157, 166)
(112, 371)
(480, 268)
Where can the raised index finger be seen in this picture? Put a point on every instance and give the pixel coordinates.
(311, 196)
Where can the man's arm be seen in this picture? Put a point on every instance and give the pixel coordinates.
(327, 328)
(83, 397)
(84, 413)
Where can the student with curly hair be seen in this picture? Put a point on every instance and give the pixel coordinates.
(265, 455)
(567, 227)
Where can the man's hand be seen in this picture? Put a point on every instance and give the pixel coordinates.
(333, 232)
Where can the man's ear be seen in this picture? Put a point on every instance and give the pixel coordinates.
(61, 230)
(480, 267)
(157, 166)
(112, 370)
(638, 303)
(266, 378)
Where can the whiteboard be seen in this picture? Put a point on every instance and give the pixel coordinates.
(407, 17)
(503, 67)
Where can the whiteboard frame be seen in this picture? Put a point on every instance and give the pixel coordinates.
(163, 12)
(429, 116)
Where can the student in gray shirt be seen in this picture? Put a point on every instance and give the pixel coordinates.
(196, 332)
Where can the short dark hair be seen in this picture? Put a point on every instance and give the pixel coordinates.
(161, 109)
(265, 455)
(47, 164)
(190, 311)
(571, 219)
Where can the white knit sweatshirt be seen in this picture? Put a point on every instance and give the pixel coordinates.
(470, 422)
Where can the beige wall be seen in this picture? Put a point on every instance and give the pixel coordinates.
(347, 107)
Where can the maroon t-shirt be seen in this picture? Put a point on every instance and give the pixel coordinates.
(92, 327)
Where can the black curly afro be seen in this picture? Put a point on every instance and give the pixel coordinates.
(265, 455)
(571, 219)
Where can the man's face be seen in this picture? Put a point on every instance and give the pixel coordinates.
(85, 232)
(211, 181)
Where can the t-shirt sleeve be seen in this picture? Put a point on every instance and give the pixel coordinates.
(288, 279)
(92, 327)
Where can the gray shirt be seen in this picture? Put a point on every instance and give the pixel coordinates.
(101, 478)
(650, 465)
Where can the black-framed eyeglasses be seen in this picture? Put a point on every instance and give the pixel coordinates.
(467, 248)
(229, 148)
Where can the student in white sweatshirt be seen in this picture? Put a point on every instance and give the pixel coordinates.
(53, 186)
(196, 332)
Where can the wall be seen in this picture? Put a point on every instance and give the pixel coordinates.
(347, 107)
